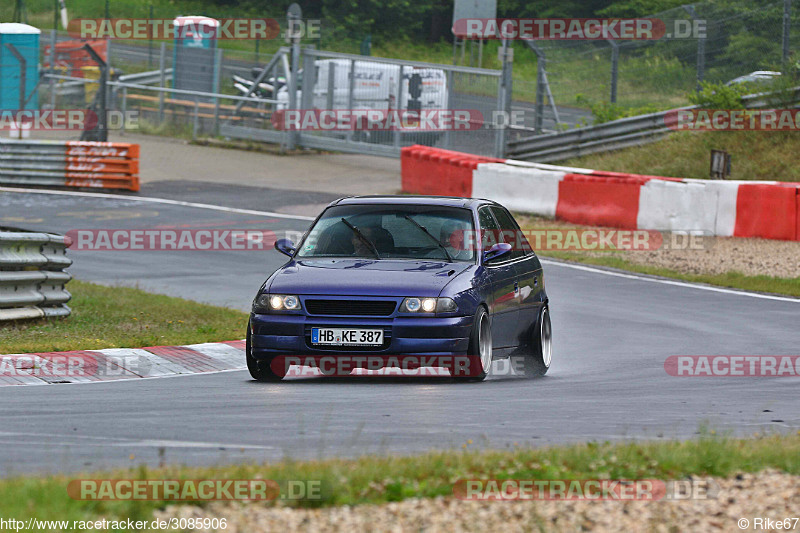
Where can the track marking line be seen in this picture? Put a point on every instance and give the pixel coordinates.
(669, 282)
(121, 441)
(159, 201)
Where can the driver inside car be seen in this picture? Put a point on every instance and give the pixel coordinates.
(451, 236)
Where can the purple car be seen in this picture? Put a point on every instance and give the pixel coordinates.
(431, 281)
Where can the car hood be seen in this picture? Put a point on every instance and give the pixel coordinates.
(365, 277)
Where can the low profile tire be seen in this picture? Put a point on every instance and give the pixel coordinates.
(480, 345)
(537, 362)
(259, 370)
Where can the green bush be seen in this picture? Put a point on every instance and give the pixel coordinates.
(719, 96)
(606, 112)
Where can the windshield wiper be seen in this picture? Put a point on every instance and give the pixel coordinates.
(434, 239)
(362, 237)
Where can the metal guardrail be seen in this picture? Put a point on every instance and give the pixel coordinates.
(32, 277)
(614, 135)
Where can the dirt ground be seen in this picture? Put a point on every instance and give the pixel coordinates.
(767, 495)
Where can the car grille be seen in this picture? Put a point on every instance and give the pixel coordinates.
(351, 307)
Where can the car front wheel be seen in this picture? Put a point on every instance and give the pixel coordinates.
(480, 348)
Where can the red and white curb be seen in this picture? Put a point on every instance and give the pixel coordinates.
(114, 364)
(767, 209)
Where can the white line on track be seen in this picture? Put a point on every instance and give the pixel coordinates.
(669, 282)
(159, 201)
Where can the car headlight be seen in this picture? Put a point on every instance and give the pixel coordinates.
(267, 303)
(428, 305)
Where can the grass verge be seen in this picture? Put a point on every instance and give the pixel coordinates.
(733, 280)
(386, 479)
(755, 155)
(120, 317)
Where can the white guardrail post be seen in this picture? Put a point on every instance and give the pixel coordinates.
(32, 277)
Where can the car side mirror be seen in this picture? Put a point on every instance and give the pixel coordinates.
(285, 246)
(498, 250)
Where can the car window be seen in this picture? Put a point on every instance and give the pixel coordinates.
(511, 233)
(393, 231)
(489, 230)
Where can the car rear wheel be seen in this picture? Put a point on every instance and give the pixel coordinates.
(480, 348)
(537, 362)
(259, 370)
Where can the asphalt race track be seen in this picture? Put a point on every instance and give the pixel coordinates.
(612, 335)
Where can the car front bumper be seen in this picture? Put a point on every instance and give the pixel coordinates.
(290, 334)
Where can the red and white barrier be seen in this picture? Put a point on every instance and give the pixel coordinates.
(502, 183)
(600, 198)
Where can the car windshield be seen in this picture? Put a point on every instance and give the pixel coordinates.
(392, 232)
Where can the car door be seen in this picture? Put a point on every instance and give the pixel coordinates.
(530, 294)
(504, 304)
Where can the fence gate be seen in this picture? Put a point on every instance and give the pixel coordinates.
(352, 103)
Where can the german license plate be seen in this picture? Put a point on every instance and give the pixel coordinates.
(347, 337)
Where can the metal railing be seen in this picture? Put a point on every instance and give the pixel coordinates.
(614, 135)
(32, 277)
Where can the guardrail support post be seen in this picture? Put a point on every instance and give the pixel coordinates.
(217, 69)
(162, 81)
(398, 105)
(350, 90)
(787, 24)
(22, 81)
(329, 101)
(540, 70)
(505, 94)
(124, 109)
(701, 49)
(614, 70)
(196, 118)
(448, 139)
(293, 15)
(102, 125)
(53, 42)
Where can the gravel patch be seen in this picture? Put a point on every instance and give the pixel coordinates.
(719, 255)
(769, 494)
(752, 257)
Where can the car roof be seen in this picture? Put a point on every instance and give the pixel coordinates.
(406, 199)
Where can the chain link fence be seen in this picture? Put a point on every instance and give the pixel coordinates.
(709, 41)
(143, 80)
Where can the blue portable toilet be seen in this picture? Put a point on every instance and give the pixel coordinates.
(194, 54)
(26, 40)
